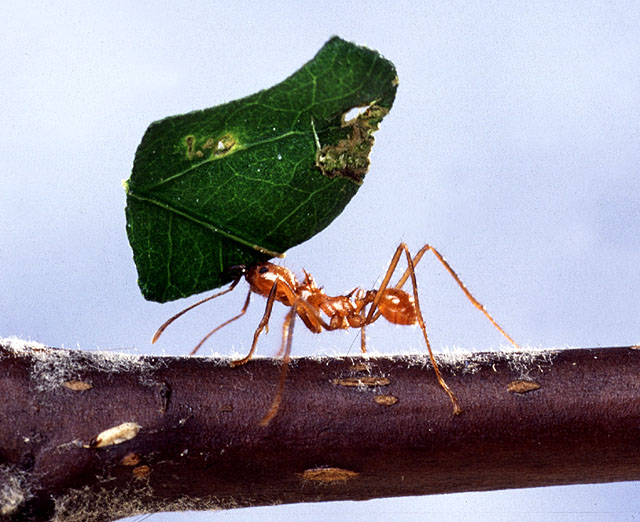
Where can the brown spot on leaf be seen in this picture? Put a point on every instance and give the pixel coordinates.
(209, 147)
(328, 475)
(190, 143)
(386, 400)
(522, 386)
(224, 145)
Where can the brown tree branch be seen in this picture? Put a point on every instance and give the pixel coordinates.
(348, 428)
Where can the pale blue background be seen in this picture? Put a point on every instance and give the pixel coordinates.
(513, 146)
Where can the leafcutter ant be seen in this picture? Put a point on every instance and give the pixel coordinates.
(309, 302)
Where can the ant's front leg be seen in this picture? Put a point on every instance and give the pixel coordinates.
(363, 298)
(263, 324)
(374, 314)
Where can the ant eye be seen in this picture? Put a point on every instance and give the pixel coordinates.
(263, 269)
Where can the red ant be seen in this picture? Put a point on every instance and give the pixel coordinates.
(308, 301)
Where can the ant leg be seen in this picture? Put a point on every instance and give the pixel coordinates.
(360, 296)
(287, 338)
(456, 406)
(311, 315)
(285, 350)
(372, 316)
(169, 321)
(242, 312)
(263, 323)
(457, 279)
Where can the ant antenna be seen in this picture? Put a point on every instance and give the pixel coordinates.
(179, 314)
(242, 312)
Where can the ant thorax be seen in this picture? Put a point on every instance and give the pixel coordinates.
(343, 311)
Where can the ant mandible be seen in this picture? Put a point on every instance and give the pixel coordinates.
(308, 301)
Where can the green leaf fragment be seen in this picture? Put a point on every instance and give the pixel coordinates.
(245, 181)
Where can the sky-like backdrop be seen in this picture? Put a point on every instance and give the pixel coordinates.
(513, 147)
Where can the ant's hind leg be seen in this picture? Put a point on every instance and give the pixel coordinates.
(263, 323)
(454, 400)
(374, 313)
(462, 286)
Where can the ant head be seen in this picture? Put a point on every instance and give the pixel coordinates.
(262, 276)
(259, 272)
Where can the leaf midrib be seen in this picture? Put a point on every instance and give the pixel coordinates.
(205, 224)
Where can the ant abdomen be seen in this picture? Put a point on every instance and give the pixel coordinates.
(397, 307)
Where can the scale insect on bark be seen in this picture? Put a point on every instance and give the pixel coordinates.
(356, 309)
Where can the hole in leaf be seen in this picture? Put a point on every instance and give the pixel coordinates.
(351, 114)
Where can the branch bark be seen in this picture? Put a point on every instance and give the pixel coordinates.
(349, 428)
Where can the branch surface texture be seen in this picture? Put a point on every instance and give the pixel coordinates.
(98, 436)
